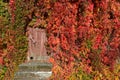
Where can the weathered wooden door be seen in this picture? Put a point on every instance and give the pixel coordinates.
(37, 39)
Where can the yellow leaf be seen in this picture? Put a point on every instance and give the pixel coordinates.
(116, 78)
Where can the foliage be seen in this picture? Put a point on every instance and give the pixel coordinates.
(84, 34)
(4, 17)
(2, 72)
(13, 40)
(13, 27)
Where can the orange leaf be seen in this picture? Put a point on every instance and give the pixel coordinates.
(51, 60)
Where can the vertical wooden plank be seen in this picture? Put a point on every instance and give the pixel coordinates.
(37, 39)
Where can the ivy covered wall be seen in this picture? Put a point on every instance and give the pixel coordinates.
(15, 17)
(83, 36)
(13, 41)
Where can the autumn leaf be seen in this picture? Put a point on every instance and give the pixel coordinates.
(1, 60)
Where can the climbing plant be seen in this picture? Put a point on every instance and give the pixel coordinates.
(15, 17)
(84, 37)
(13, 39)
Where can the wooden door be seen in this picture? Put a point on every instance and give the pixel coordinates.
(37, 39)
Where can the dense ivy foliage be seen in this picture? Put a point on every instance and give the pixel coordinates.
(83, 36)
(15, 17)
(13, 42)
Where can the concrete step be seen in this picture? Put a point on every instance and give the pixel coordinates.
(34, 70)
(32, 75)
(35, 66)
(30, 78)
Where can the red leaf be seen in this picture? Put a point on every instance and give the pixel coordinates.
(1, 60)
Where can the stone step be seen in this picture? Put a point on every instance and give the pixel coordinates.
(32, 75)
(34, 70)
(34, 66)
(30, 78)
